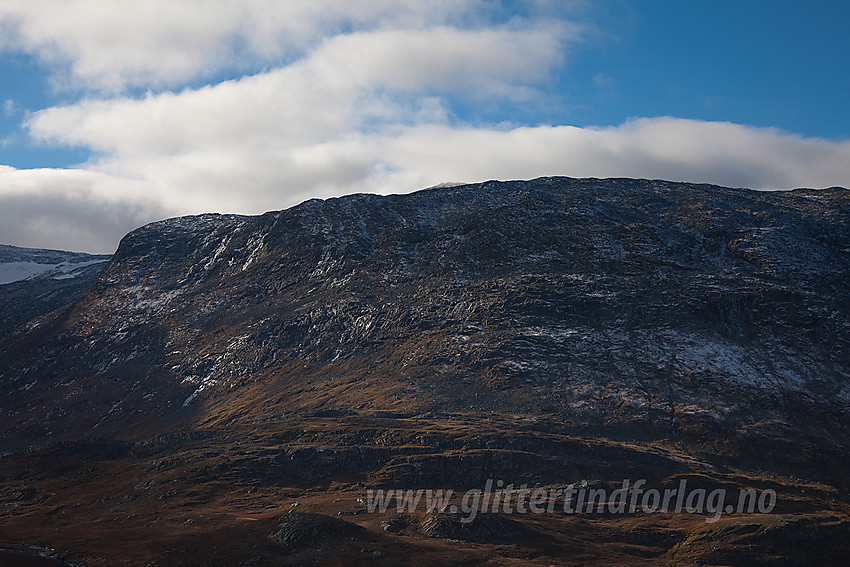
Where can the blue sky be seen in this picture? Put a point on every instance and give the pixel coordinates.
(116, 114)
(763, 63)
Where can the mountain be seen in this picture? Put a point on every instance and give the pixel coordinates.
(222, 368)
(34, 281)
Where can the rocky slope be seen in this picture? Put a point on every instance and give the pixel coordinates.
(541, 329)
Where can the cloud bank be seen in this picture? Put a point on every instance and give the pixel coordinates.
(333, 98)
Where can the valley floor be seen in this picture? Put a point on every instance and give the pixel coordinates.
(295, 492)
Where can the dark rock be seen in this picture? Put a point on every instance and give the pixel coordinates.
(305, 529)
(479, 528)
(395, 524)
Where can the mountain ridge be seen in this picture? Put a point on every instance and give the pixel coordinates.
(410, 239)
(529, 329)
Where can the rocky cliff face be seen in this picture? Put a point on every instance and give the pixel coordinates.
(713, 319)
(605, 301)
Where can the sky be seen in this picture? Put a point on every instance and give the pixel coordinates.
(116, 113)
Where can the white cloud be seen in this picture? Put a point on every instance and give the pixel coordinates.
(313, 98)
(402, 158)
(480, 63)
(667, 148)
(70, 209)
(9, 108)
(113, 44)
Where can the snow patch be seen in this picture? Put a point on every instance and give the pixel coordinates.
(20, 271)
